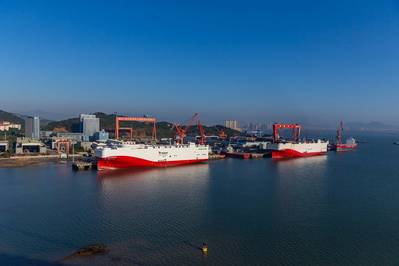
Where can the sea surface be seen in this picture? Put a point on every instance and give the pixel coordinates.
(338, 209)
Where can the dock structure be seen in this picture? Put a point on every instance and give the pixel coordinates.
(256, 155)
(83, 165)
(216, 156)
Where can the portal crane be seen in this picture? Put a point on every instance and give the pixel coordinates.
(201, 132)
(296, 130)
(181, 131)
(138, 119)
(221, 134)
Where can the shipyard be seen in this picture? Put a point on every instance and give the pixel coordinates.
(199, 133)
(125, 146)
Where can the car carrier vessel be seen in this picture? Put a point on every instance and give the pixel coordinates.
(130, 154)
(295, 148)
(125, 154)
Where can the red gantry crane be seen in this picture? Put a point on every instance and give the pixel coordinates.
(339, 133)
(137, 119)
(296, 130)
(201, 132)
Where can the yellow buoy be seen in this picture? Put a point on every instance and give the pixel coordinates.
(204, 248)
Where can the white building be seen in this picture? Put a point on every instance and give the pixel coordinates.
(6, 126)
(90, 124)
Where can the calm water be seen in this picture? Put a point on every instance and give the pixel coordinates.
(340, 209)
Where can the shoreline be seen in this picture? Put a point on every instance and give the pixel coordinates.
(22, 161)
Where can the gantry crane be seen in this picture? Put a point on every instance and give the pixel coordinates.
(296, 130)
(137, 119)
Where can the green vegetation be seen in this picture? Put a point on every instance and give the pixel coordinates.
(71, 125)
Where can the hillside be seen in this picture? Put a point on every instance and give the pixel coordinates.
(20, 119)
(10, 117)
(371, 126)
(164, 129)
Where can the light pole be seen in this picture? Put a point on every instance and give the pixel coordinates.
(73, 152)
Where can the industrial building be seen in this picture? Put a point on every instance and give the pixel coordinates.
(45, 134)
(29, 146)
(69, 136)
(101, 136)
(90, 124)
(3, 146)
(32, 127)
(65, 136)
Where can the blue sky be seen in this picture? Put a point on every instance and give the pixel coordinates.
(306, 61)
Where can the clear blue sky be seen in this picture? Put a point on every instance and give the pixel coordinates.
(309, 61)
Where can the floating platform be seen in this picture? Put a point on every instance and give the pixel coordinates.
(216, 156)
(257, 155)
(238, 155)
(82, 165)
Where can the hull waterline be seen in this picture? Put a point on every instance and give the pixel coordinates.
(123, 162)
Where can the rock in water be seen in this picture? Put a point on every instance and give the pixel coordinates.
(90, 250)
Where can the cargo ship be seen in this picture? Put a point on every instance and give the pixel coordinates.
(294, 148)
(117, 154)
(349, 145)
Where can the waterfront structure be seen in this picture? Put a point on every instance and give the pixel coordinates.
(90, 124)
(101, 136)
(45, 134)
(32, 127)
(86, 145)
(6, 126)
(233, 124)
(69, 136)
(29, 146)
(257, 133)
(3, 146)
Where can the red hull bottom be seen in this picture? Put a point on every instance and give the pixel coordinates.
(123, 162)
(288, 153)
(345, 147)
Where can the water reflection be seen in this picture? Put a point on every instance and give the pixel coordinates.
(160, 205)
(195, 173)
(143, 185)
(290, 164)
(300, 189)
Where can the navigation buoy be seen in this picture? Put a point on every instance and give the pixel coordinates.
(204, 248)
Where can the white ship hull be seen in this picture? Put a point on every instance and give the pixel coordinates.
(126, 155)
(301, 149)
